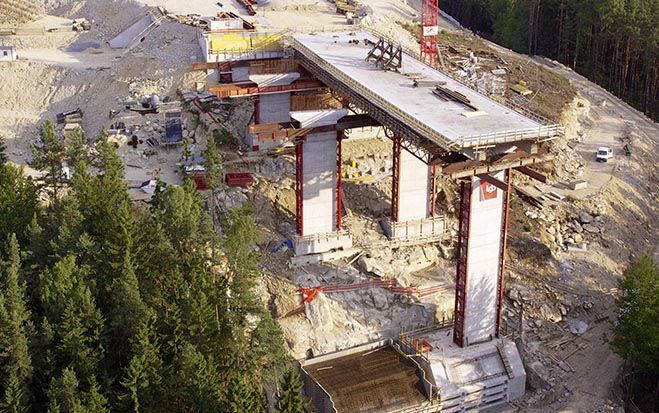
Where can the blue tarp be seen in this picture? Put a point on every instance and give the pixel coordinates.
(174, 131)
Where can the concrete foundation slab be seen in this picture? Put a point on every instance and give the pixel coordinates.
(319, 243)
(474, 377)
(431, 229)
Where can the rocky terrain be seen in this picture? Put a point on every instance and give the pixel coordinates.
(565, 256)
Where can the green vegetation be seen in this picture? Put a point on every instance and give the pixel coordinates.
(289, 399)
(109, 306)
(637, 333)
(613, 42)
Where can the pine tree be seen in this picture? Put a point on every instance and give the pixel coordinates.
(48, 156)
(3, 150)
(14, 400)
(289, 399)
(637, 333)
(76, 152)
(95, 401)
(18, 202)
(202, 380)
(17, 329)
(143, 376)
(127, 312)
(64, 394)
(244, 395)
(79, 348)
(213, 170)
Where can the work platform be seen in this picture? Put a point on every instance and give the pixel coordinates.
(338, 59)
(419, 372)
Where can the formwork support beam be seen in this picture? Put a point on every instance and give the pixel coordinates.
(494, 181)
(397, 144)
(502, 256)
(257, 109)
(340, 135)
(532, 173)
(461, 264)
(299, 186)
(433, 190)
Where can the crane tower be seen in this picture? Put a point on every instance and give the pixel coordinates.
(429, 31)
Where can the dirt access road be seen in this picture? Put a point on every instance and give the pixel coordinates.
(613, 118)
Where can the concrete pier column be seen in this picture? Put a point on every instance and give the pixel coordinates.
(318, 177)
(318, 186)
(412, 197)
(414, 188)
(480, 259)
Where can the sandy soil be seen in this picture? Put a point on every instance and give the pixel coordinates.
(60, 73)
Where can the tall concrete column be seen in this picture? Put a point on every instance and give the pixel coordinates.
(318, 178)
(318, 185)
(480, 259)
(412, 197)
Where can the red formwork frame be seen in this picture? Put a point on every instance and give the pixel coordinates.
(257, 109)
(340, 135)
(397, 140)
(299, 185)
(461, 263)
(433, 193)
(502, 250)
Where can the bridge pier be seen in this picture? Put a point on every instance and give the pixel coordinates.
(318, 192)
(412, 198)
(481, 257)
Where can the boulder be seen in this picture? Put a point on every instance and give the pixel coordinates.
(585, 218)
(591, 228)
(379, 297)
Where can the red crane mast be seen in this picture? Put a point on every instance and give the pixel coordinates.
(429, 31)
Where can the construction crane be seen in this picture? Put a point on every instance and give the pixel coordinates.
(429, 31)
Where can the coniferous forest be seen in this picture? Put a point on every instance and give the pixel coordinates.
(614, 43)
(107, 305)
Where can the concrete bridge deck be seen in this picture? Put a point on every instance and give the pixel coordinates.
(414, 112)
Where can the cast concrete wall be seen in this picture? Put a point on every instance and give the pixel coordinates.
(319, 183)
(275, 108)
(125, 38)
(483, 260)
(413, 192)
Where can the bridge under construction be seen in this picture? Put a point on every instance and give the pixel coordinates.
(440, 127)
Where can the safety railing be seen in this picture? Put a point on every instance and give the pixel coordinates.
(270, 44)
(510, 136)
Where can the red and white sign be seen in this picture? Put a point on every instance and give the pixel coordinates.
(430, 30)
(487, 191)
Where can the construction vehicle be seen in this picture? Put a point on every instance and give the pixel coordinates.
(604, 153)
(81, 25)
(347, 6)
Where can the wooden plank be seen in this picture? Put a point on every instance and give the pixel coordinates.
(533, 174)
(494, 181)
